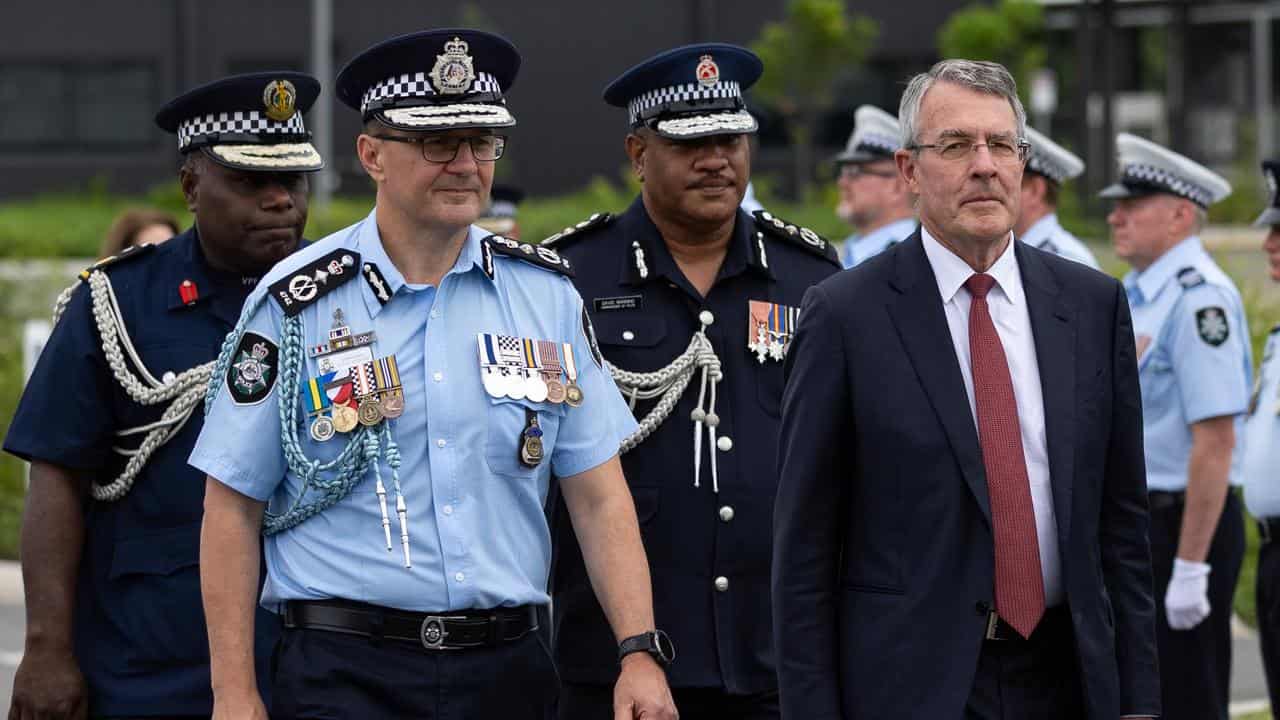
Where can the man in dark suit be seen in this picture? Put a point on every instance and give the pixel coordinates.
(961, 519)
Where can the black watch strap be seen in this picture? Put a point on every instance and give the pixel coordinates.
(654, 642)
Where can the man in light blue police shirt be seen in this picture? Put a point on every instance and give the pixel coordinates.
(395, 398)
(1262, 458)
(1048, 166)
(873, 198)
(1194, 367)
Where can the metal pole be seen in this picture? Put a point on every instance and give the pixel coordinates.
(1107, 34)
(1084, 79)
(322, 114)
(1262, 81)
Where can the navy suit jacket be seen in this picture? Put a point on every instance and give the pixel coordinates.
(883, 552)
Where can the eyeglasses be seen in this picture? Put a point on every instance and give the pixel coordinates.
(1001, 151)
(853, 172)
(443, 149)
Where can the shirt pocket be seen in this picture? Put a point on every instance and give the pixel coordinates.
(507, 422)
(155, 596)
(620, 333)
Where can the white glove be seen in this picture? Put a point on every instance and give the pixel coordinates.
(1186, 602)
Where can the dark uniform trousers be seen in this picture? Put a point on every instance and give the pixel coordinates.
(323, 675)
(1268, 604)
(1037, 677)
(1195, 664)
(594, 702)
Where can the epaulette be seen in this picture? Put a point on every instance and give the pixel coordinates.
(312, 281)
(595, 221)
(543, 257)
(1189, 277)
(796, 235)
(129, 253)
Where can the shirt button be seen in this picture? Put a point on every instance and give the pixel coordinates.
(459, 577)
(438, 377)
(441, 442)
(726, 513)
(447, 509)
(722, 584)
(725, 443)
(628, 335)
(706, 318)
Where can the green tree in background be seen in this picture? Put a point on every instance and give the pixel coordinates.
(1011, 32)
(804, 55)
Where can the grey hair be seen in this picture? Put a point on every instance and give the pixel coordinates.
(985, 77)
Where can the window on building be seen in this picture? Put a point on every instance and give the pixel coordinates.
(77, 105)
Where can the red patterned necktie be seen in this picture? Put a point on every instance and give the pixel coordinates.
(1019, 585)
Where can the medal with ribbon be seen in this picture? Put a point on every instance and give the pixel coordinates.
(549, 357)
(386, 378)
(770, 327)
(572, 393)
(318, 403)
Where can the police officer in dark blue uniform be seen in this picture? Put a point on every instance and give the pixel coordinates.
(111, 530)
(694, 302)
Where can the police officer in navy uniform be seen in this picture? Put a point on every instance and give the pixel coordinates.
(1262, 456)
(1194, 367)
(694, 302)
(389, 411)
(112, 521)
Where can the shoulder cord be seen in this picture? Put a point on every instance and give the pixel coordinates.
(669, 383)
(183, 392)
(362, 451)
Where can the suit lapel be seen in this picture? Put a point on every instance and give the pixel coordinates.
(922, 324)
(1054, 329)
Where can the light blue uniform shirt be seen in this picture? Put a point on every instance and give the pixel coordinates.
(1047, 234)
(858, 248)
(1196, 364)
(1262, 436)
(478, 534)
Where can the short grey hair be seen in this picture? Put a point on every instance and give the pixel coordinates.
(985, 77)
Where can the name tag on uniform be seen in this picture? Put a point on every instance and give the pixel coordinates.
(620, 302)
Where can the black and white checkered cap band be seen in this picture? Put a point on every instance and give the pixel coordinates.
(1043, 165)
(245, 125)
(411, 85)
(1159, 177)
(680, 93)
(875, 142)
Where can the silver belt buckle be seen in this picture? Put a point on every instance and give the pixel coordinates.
(432, 632)
(993, 623)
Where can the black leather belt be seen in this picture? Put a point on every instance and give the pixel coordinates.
(446, 631)
(998, 629)
(1269, 529)
(1160, 500)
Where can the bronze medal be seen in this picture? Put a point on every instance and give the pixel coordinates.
(555, 391)
(369, 413)
(392, 406)
(345, 418)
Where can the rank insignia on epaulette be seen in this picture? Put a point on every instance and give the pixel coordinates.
(314, 280)
(128, 253)
(253, 369)
(543, 257)
(800, 236)
(596, 220)
(770, 327)
(1189, 277)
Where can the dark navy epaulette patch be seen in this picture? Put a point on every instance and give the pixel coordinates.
(595, 221)
(314, 280)
(796, 235)
(543, 257)
(129, 253)
(1189, 277)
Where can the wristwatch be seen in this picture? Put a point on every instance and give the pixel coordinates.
(654, 642)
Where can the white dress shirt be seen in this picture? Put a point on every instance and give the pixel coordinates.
(1008, 304)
